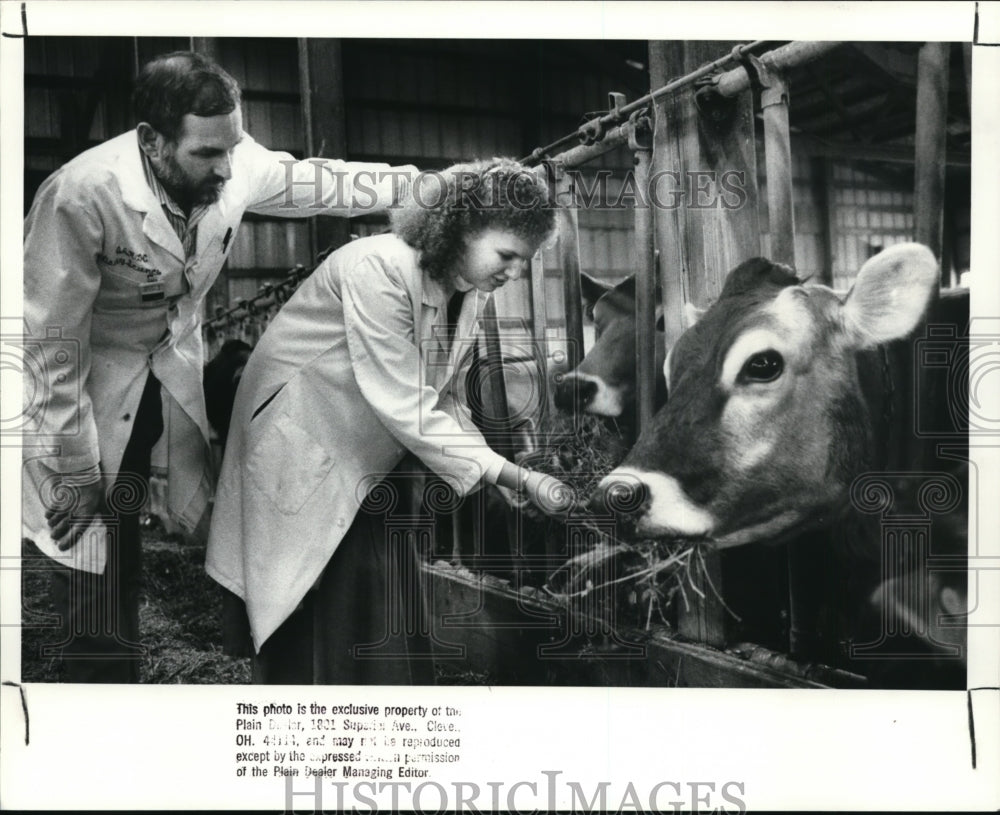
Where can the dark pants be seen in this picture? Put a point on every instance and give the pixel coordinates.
(366, 622)
(100, 612)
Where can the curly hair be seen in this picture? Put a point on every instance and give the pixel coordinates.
(443, 209)
(172, 85)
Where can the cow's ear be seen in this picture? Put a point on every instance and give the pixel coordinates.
(692, 314)
(890, 294)
(593, 290)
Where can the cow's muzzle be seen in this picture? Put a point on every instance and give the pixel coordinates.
(573, 393)
(623, 498)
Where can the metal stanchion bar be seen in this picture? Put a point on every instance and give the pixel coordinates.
(263, 299)
(645, 296)
(730, 83)
(569, 264)
(734, 82)
(620, 114)
(778, 164)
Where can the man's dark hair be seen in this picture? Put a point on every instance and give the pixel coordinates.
(172, 85)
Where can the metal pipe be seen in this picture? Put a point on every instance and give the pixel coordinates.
(575, 156)
(497, 419)
(620, 114)
(778, 166)
(730, 83)
(539, 328)
(645, 296)
(568, 247)
(734, 82)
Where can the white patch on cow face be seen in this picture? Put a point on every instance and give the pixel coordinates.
(754, 341)
(671, 512)
(760, 408)
(607, 401)
(786, 326)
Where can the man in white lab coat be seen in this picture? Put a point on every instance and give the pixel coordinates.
(121, 245)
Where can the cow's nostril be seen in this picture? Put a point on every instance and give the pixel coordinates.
(563, 396)
(588, 390)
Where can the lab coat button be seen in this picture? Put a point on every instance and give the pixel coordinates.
(126, 417)
(340, 522)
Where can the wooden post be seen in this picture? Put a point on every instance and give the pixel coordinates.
(931, 130)
(711, 230)
(209, 46)
(321, 85)
(928, 202)
(822, 175)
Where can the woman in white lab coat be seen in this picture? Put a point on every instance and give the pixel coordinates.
(354, 373)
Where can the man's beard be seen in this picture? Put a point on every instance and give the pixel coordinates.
(180, 186)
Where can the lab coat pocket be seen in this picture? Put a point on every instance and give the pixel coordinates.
(287, 464)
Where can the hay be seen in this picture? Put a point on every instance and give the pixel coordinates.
(646, 576)
(179, 618)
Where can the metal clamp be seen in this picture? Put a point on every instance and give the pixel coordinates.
(592, 131)
(616, 101)
(772, 84)
(640, 131)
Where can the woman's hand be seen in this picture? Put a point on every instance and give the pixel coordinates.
(549, 494)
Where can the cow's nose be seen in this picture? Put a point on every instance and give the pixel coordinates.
(624, 497)
(572, 392)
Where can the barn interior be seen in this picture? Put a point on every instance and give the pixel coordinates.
(853, 115)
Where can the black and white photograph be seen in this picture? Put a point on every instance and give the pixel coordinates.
(485, 406)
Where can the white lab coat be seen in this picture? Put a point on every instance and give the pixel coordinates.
(362, 374)
(94, 235)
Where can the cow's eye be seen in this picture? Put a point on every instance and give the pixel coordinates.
(765, 366)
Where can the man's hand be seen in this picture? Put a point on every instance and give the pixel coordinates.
(79, 505)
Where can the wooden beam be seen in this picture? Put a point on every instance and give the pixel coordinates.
(525, 638)
(892, 63)
(209, 46)
(321, 84)
(700, 244)
(931, 135)
(832, 99)
(813, 146)
(822, 174)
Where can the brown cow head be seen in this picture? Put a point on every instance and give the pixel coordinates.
(766, 425)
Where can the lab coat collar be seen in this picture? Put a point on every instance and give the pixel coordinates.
(432, 293)
(434, 303)
(137, 195)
